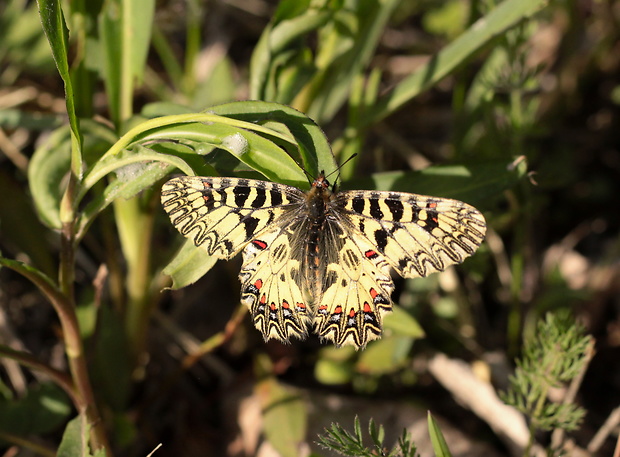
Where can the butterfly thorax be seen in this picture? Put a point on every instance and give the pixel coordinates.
(317, 206)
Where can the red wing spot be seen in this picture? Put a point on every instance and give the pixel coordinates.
(263, 299)
(370, 254)
(432, 205)
(300, 305)
(373, 293)
(435, 220)
(285, 304)
(338, 310)
(272, 307)
(260, 244)
(258, 284)
(352, 313)
(367, 308)
(207, 184)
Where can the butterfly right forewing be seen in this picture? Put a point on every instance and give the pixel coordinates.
(221, 215)
(418, 235)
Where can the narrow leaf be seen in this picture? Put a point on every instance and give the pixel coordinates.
(189, 265)
(439, 443)
(57, 33)
(506, 15)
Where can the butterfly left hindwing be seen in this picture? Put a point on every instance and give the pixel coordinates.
(321, 258)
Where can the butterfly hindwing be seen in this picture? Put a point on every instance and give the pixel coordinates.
(222, 215)
(271, 286)
(355, 295)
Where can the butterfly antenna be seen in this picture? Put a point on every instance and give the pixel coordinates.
(308, 175)
(339, 169)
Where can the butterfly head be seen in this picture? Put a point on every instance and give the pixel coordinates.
(321, 182)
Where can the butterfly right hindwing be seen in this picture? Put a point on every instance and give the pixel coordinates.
(272, 287)
(355, 295)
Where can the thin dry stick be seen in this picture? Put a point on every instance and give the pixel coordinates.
(613, 420)
(557, 437)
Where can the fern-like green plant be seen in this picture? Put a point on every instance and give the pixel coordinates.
(555, 356)
(340, 440)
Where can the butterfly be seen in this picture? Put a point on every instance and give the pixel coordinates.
(321, 259)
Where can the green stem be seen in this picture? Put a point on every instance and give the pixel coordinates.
(135, 225)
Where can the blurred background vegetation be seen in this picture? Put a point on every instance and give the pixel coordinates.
(511, 106)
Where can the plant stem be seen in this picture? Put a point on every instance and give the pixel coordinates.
(74, 349)
(64, 305)
(30, 361)
(26, 444)
(135, 224)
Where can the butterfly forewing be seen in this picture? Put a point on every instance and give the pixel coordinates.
(221, 215)
(417, 235)
(321, 259)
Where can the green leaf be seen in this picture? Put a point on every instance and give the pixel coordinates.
(21, 229)
(289, 25)
(57, 34)
(249, 147)
(314, 149)
(189, 265)
(47, 175)
(284, 417)
(23, 44)
(43, 409)
(31, 121)
(256, 133)
(346, 46)
(139, 15)
(449, 18)
(125, 32)
(75, 439)
(506, 15)
(400, 322)
(147, 160)
(332, 372)
(385, 355)
(439, 443)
